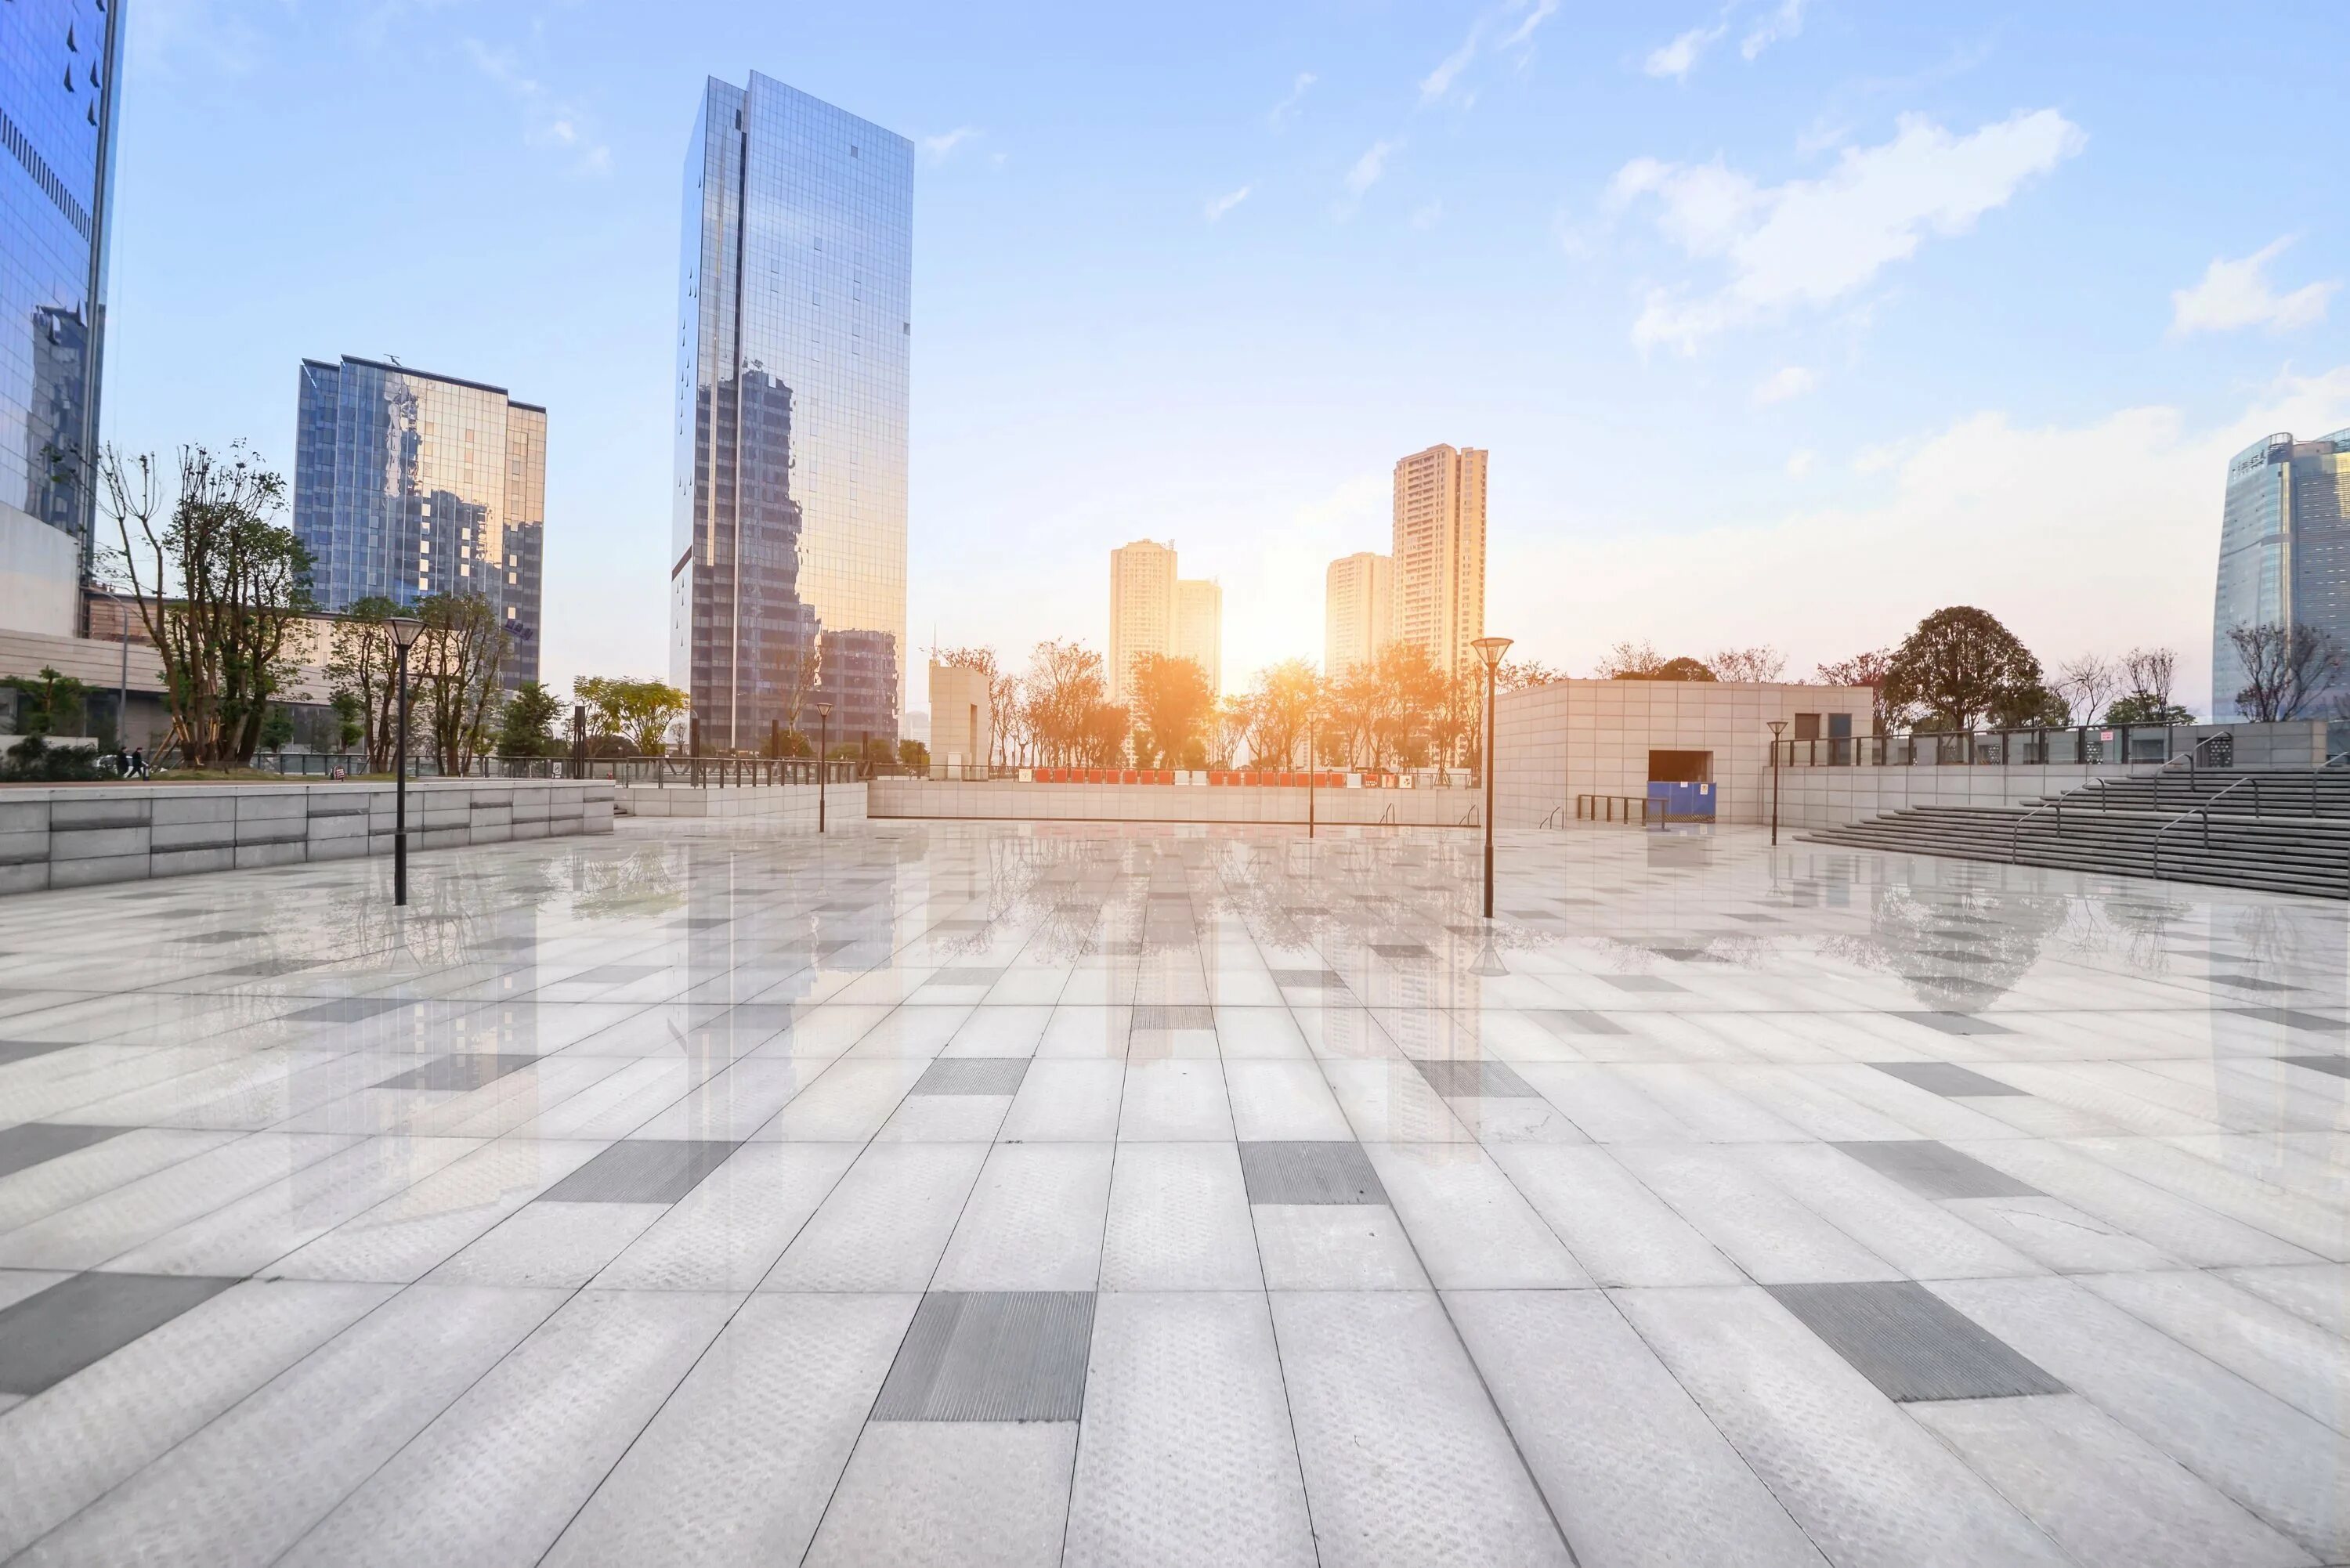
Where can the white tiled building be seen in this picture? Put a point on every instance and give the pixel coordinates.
(1612, 737)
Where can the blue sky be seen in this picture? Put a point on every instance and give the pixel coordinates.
(1785, 321)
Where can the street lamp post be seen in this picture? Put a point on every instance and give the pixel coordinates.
(1776, 726)
(1490, 649)
(405, 629)
(1310, 719)
(823, 745)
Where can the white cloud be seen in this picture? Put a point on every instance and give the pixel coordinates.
(1810, 242)
(1799, 463)
(2128, 502)
(1782, 23)
(1788, 382)
(1369, 167)
(1286, 110)
(1218, 205)
(548, 122)
(2236, 294)
(1525, 31)
(940, 148)
(1434, 85)
(1428, 217)
(1676, 58)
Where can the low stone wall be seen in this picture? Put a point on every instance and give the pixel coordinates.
(789, 808)
(1009, 800)
(76, 836)
(1830, 797)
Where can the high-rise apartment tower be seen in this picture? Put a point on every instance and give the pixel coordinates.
(1199, 627)
(58, 97)
(1439, 553)
(408, 485)
(1142, 604)
(1357, 602)
(2285, 555)
(787, 575)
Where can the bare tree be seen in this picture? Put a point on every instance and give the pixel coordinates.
(361, 665)
(2083, 683)
(801, 663)
(1629, 661)
(1760, 664)
(2285, 667)
(453, 669)
(1868, 670)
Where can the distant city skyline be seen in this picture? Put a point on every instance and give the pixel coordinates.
(1232, 300)
(1438, 555)
(1153, 608)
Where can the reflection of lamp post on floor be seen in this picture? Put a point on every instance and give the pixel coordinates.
(1490, 649)
(823, 745)
(405, 629)
(1776, 725)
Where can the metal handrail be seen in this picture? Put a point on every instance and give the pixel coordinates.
(2203, 810)
(2015, 830)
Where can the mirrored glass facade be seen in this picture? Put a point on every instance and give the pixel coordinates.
(795, 321)
(408, 485)
(2284, 553)
(56, 122)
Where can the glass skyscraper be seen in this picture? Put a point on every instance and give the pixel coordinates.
(56, 121)
(794, 319)
(2284, 553)
(408, 485)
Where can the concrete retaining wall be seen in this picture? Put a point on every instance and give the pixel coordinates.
(74, 836)
(1009, 800)
(1830, 797)
(790, 808)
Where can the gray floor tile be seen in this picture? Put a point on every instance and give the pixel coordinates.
(991, 1355)
(2291, 1018)
(614, 974)
(1911, 1343)
(972, 1075)
(1494, 1079)
(1310, 1173)
(1932, 1169)
(12, 1051)
(348, 1010)
(1956, 1022)
(48, 1337)
(1945, 1078)
(32, 1143)
(1569, 1022)
(1643, 984)
(458, 1072)
(1310, 979)
(1174, 1015)
(2339, 1067)
(641, 1171)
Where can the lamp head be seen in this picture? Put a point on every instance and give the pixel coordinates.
(824, 710)
(1491, 649)
(1776, 725)
(405, 630)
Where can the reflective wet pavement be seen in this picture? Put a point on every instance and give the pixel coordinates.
(976, 1193)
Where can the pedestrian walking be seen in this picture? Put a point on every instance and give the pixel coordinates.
(139, 763)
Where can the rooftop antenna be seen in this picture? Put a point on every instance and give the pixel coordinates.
(394, 359)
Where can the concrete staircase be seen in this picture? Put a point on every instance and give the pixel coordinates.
(2283, 831)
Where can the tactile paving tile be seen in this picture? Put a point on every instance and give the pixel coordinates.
(1495, 1080)
(1333, 1172)
(1933, 1169)
(1945, 1078)
(2292, 1019)
(48, 1337)
(614, 974)
(2250, 983)
(1400, 949)
(34, 1143)
(1308, 979)
(1644, 984)
(972, 1075)
(2337, 1066)
(1955, 1023)
(1911, 1343)
(26, 1050)
(967, 976)
(1174, 1015)
(348, 1010)
(220, 936)
(641, 1171)
(991, 1355)
(270, 968)
(458, 1072)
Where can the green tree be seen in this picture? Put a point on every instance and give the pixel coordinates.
(1283, 700)
(913, 755)
(526, 722)
(49, 703)
(1960, 667)
(219, 586)
(637, 714)
(2135, 709)
(276, 728)
(362, 665)
(1171, 708)
(350, 722)
(453, 670)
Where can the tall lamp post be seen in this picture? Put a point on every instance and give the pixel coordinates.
(1776, 726)
(405, 630)
(823, 745)
(1490, 649)
(1310, 719)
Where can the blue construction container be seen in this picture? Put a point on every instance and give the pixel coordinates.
(1681, 802)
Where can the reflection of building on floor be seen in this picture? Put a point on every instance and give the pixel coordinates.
(1617, 737)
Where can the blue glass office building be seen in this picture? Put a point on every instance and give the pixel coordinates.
(794, 322)
(2284, 553)
(408, 485)
(57, 60)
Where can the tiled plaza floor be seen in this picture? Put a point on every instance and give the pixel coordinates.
(974, 1194)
